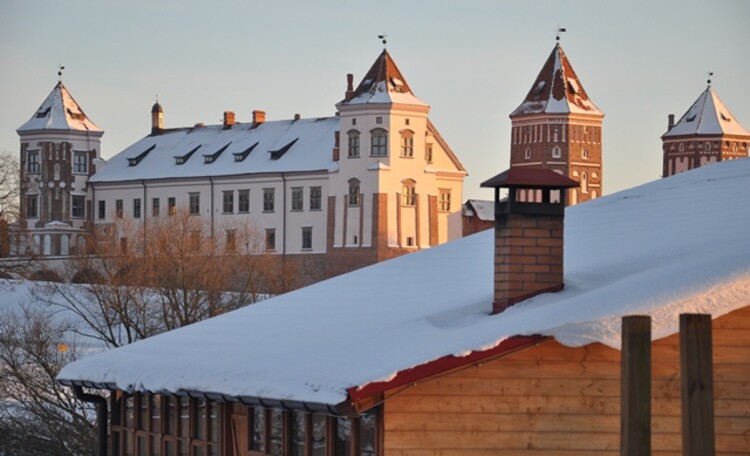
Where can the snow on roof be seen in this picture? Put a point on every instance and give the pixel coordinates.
(674, 245)
(557, 89)
(59, 112)
(383, 83)
(482, 209)
(157, 156)
(707, 116)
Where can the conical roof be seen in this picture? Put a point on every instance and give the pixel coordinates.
(707, 116)
(384, 83)
(59, 112)
(557, 89)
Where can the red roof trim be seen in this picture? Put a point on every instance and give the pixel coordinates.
(441, 365)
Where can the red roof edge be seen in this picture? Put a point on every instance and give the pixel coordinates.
(441, 365)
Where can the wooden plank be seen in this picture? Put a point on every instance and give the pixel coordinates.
(697, 385)
(635, 423)
(739, 319)
(503, 422)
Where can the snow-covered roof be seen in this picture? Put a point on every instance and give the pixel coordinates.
(674, 245)
(273, 146)
(557, 89)
(59, 112)
(482, 209)
(707, 116)
(383, 83)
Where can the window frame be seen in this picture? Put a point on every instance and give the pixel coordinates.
(118, 208)
(155, 207)
(32, 162)
(227, 202)
(102, 208)
(171, 205)
(354, 195)
(407, 144)
(298, 199)
(269, 200)
(378, 142)
(444, 200)
(353, 144)
(270, 240)
(137, 208)
(316, 198)
(194, 203)
(307, 238)
(80, 162)
(409, 193)
(243, 201)
(34, 205)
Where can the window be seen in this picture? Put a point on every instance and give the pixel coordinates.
(78, 206)
(708, 145)
(585, 154)
(297, 195)
(171, 205)
(243, 202)
(556, 135)
(378, 142)
(378, 120)
(32, 206)
(195, 203)
(527, 154)
(315, 198)
(445, 200)
(228, 202)
(155, 207)
(428, 153)
(306, 238)
(353, 196)
(268, 199)
(137, 208)
(80, 163)
(270, 239)
(231, 244)
(118, 208)
(32, 165)
(556, 153)
(409, 196)
(102, 210)
(353, 150)
(407, 143)
(56, 171)
(682, 147)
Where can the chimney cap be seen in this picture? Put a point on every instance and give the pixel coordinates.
(529, 178)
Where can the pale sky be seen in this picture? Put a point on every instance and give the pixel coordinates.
(472, 61)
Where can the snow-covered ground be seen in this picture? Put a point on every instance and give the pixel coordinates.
(675, 245)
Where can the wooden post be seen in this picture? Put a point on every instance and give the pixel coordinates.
(696, 370)
(635, 410)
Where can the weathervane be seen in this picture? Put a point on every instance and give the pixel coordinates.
(384, 39)
(708, 81)
(60, 69)
(558, 32)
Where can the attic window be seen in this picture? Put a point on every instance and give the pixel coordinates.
(571, 87)
(42, 114)
(278, 153)
(212, 158)
(690, 119)
(181, 160)
(75, 115)
(137, 159)
(725, 118)
(241, 156)
(398, 85)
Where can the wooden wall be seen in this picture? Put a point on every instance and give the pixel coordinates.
(554, 400)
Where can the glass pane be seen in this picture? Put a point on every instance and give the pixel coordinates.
(343, 437)
(213, 450)
(319, 425)
(141, 443)
(184, 447)
(129, 412)
(128, 443)
(298, 434)
(198, 451)
(115, 443)
(200, 423)
(155, 414)
(277, 431)
(214, 423)
(184, 417)
(155, 445)
(172, 420)
(169, 448)
(259, 429)
(143, 413)
(367, 431)
(117, 409)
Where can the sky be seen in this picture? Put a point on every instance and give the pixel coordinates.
(472, 61)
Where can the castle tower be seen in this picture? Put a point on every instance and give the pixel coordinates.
(558, 127)
(398, 185)
(705, 134)
(60, 147)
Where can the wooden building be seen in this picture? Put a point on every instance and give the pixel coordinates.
(423, 356)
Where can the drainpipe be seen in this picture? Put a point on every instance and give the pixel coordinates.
(144, 213)
(283, 217)
(211, 180)
(101, 417)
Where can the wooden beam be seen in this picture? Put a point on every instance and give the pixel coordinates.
(696, 371)
(635, 422)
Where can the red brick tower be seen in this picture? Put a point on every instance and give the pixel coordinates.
(558, 127)
(705, 134)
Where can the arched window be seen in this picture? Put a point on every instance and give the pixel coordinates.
(555, 135)
(378, 142)
(585, 154)
(353, 147)
(584, 182)
(409, 195)
(354, 197)
(556, 153)
(407, 143)
(682, 147)
(56, 171)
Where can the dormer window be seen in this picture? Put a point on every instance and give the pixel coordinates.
(183, 159)
(241, 156)
(212, 158)
(278, 153)
(137, 159)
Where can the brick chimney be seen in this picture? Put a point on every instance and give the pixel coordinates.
(336, 146)
(258, 117)
(228, 119)
(528, 234)
(349, 87)
(670, 122)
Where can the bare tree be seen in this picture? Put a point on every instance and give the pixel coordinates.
(10, 186)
